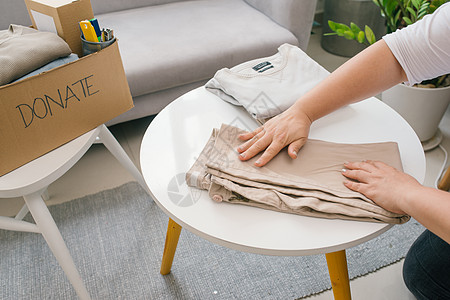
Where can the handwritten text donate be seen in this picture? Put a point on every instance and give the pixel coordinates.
(48, 104)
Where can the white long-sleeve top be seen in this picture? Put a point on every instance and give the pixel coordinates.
(423, 48)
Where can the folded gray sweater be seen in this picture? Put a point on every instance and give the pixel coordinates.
(24, 49)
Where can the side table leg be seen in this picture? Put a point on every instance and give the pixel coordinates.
(52, 236)
(337, 267)
(110, 142)
(172, 236)
(444, 184)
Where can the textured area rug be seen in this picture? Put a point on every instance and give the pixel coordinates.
(116, 238)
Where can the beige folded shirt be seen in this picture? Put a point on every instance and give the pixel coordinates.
(311, 185)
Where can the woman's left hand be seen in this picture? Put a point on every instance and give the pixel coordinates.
(385, 185)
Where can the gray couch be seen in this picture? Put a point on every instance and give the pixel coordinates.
(169, 47)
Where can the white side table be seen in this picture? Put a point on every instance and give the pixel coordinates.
(178, 134)
(31, 181)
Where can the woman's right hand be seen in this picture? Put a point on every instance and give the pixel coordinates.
(290, 128)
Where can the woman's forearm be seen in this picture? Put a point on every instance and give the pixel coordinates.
(367, 74)
(370, 72)
(430, 207)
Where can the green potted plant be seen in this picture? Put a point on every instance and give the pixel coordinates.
(422, 108)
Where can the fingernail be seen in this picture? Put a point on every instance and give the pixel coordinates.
(217, 198)
(295, 153)
(344, 170)
(242, 155)
(258, 162)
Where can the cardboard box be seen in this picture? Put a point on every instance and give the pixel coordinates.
(61, 17)
(42, 112)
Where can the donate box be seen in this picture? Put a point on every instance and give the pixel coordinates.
(42, 112)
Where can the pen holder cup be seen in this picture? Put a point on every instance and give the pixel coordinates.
(91, 47)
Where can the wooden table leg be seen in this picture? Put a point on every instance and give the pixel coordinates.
(172, 236)
(444, 184)
(337, 267)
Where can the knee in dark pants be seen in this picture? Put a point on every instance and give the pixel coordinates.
(425, 270)
(412, 273)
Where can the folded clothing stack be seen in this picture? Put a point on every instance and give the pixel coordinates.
(265, 87)
(311, 185)
(24, 49)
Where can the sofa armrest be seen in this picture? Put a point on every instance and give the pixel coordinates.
(295, 15)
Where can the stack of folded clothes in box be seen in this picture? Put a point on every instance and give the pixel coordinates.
(25, 52)
(312, 184)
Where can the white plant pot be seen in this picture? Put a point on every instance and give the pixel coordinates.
(422, 108)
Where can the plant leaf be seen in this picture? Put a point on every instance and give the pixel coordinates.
(355, 28)
(397, 16)
(387, 2)
(423, 10)
(342, 26)
(412, 12)
(332, 25)
(391, 8)
(370, 36)
(360, 37)
(407, 20)
(416, 3)
(349, 35)
(421, 15)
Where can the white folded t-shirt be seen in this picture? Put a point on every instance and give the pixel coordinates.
(267, 86)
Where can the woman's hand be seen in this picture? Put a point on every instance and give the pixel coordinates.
(289, 128)
(385, 185)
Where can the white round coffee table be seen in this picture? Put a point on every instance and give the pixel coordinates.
(175, 139)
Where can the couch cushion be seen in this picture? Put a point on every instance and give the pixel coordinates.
(105, 6)
(173, 44)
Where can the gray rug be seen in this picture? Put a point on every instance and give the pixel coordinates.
(116, 238)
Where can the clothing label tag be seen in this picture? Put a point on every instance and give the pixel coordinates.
(265, 69)
(261, 65)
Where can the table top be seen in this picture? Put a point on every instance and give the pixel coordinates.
(177, 135)
(42, 171)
